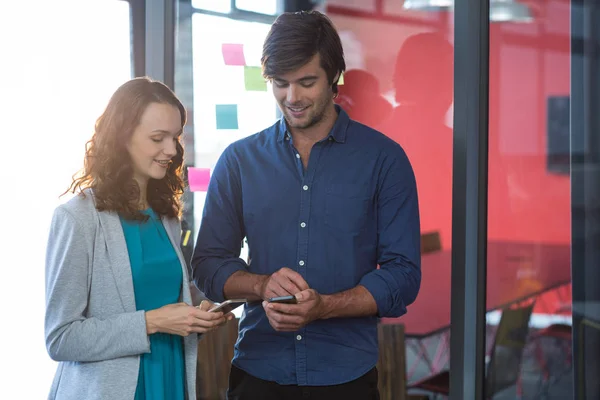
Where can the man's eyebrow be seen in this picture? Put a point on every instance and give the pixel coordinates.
(303, 79)
(308, 78)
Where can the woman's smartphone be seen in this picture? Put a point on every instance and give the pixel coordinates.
(284, 300)
(227, 306)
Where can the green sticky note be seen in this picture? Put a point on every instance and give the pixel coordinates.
(227, 116)
(254, 80)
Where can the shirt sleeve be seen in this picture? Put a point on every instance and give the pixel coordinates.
(219, 243)
(396, 283)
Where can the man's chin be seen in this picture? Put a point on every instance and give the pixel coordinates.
(298, 123)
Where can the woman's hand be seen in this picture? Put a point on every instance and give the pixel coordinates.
(182, 319)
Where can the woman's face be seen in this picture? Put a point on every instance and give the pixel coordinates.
(153, 143)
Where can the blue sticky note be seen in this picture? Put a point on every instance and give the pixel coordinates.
(227, 116)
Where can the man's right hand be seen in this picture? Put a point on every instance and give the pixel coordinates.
(284, 282)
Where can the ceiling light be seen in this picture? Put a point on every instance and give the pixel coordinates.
(500, 10)
(428, 5)
(509, 11)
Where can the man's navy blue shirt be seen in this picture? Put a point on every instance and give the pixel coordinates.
(353, 208)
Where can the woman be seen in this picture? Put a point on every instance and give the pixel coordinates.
(118, 313)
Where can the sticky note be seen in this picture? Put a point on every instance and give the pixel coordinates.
(186, 238)
(233, 54)
(227, 116)
(254, 80)
(198, 179)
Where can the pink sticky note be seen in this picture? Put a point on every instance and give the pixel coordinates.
(233, 54)
(198, 179)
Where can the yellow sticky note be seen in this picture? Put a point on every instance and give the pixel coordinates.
(186, 238)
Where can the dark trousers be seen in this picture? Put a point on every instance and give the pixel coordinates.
(243, 386)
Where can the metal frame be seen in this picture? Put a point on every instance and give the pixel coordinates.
(469, 199)
(138, 36)
(161, 25)
(585, 192)
(237, 14)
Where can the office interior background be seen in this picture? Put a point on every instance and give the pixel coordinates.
(495, 103)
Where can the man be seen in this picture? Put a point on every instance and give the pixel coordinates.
(322, 200)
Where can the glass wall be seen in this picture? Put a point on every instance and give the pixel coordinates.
(61, 60)
(529, 222)
(231, 99)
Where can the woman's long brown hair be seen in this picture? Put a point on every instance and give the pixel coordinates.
(108, 168)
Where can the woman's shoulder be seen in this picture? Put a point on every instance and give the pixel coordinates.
(80, 202)
(80, 207)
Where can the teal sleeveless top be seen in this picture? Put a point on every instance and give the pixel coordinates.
(157, 280)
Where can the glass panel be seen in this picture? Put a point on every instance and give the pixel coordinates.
(529, 206)
(399, 80)
(231, 100)
(261, 7)
(64, 60)
(222, 6)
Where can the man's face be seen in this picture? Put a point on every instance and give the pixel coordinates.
(303, 95)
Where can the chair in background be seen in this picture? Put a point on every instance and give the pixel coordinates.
(563, 336)
(430, 242)
(503, 369)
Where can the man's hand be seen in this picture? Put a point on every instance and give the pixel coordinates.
(291, 317)
(284, 282)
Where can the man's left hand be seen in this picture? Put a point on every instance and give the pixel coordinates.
(291, 317)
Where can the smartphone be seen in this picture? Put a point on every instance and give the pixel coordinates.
(284, 300)
(227, 306)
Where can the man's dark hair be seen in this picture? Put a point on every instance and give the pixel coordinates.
(295, 38)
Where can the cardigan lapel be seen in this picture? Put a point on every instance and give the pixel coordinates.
(119, 258)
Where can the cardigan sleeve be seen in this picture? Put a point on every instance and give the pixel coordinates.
(70, 335)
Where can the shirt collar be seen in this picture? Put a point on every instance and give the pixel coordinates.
(338, 132)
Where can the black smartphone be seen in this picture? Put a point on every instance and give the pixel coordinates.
(284, 300)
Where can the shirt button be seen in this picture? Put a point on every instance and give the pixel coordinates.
(299, 337)
(297, 155)
(303, 224)
(305, 187)
(301, 263)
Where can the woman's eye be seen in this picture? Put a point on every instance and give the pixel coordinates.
(156, 140)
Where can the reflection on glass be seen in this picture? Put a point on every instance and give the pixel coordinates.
(529, 229)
